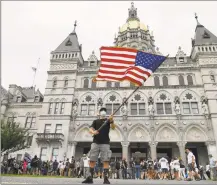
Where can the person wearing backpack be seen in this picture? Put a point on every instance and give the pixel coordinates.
(66, 170)
(72, 168)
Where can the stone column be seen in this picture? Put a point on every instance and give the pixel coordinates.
(181, 145)
(125, 146)
(211, 148)
(153, 149)
(72, 148)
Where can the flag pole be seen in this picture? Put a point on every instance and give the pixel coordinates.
(35, 72)
(105, 123)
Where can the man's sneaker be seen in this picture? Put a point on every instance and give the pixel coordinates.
(106, 181)
(89, 180)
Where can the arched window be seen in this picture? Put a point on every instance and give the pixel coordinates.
(189, 103)
(181, 80)
(117, 84)
(86, 83)
(112, 102)
(137, 105)
(50, 107)
(212, 78)
(190, 80)
(165, 81)
(163, 103)
(109, 84)
(156, 81)
(93, 84)
(54, 82)
(88, 103)
(56, 108)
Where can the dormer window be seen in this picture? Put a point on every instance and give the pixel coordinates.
(54, 83)
(206, 35)
(18, 99)
(68, 43)
(36, 99)
(181, 59)
(92, 63)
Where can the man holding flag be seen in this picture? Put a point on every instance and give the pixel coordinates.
(117, 64)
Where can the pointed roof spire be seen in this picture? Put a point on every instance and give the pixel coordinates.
(75, 24)
(132, 12)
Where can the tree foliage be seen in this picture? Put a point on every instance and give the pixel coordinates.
(13, 137)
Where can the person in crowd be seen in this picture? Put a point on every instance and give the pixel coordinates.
(124, 168)
(201, 172)
(118, 167)
(112, 166)
(78, 167)
(34, 165)
(142, 167)
(213, 167)
(137, 168)
(132, 168)
(176, 166)
(66, 170)
(150, 173)
(86, 166)
(164, 168)
(72, 166)
(208, 170)
(157, 169)
(182, 169)
(191, 165)
(55, 167)
(24, 166)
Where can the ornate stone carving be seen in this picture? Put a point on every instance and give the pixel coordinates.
(115, 135)
(138, 134)
(177, 105)
(99, 104)
(75, 108)
(194, 134)
(63, 66)
(166, 134)
(83, 135)
(205, 109)
(124, 109)
(151, 106)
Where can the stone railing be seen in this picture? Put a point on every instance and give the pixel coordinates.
(50, 136)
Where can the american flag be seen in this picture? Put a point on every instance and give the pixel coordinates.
(118, 64)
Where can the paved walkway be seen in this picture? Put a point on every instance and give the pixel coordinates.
(50, 180)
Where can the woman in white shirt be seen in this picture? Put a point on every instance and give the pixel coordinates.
(176, 165)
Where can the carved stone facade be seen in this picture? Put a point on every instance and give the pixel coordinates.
(176, 108)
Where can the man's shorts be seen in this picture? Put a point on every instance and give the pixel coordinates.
(190, 167)
(102, 149)
(164, 170)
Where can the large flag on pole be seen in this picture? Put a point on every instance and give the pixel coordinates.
(118, 64)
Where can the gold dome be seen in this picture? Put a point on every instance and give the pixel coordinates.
(133, 24)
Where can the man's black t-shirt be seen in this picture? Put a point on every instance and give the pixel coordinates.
(103, 136)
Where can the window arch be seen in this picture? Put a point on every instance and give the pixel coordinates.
(156, 81)
(112, 102)
(109, 84)
(54, 84)
(190, 80)
(86, 83)
(138, 104)
(181, 80)
(93, 83)
(189, 103)
(88, 103)
(165, 81)
(163, 102)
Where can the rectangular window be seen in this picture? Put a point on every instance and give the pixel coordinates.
(33, 122)
(56, 108)
(194, 108)
(91, 110)
(83, 109)
(19, 157)
(50, 108)
(141, 108)
(29, 140)
(92, 63)
(47, 128)
(18, 99)
(181, 59)
(58, 128)
(115, 107)
(66, 83)
(28, 122)
(133, 108)
(168, 108)
(109, 108)
(43, 155)
(186, 108)
(36, 99)
(62, 108)
(160, 109)
(55, 153)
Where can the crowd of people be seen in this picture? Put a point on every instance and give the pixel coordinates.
(136, 168)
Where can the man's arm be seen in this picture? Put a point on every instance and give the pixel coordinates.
(92, 129)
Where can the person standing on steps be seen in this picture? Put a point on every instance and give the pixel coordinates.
(100, 145)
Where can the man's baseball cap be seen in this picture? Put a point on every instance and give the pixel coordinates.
(103, 109)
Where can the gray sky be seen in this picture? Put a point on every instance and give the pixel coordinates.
(33, 29)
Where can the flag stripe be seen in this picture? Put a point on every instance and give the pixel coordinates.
(118, 55)
(120, 52)
(115, 67)
(118, 49)
(117, 58)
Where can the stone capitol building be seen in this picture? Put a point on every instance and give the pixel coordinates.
(176, 107)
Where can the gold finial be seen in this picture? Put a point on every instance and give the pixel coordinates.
(75, 24)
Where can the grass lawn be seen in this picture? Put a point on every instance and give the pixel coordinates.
(25, 175)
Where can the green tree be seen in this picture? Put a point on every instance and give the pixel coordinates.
(13, 137)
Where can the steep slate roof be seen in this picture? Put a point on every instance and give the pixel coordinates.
(29, 92)
(3, 92)
(203, 36)
(69, 44)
